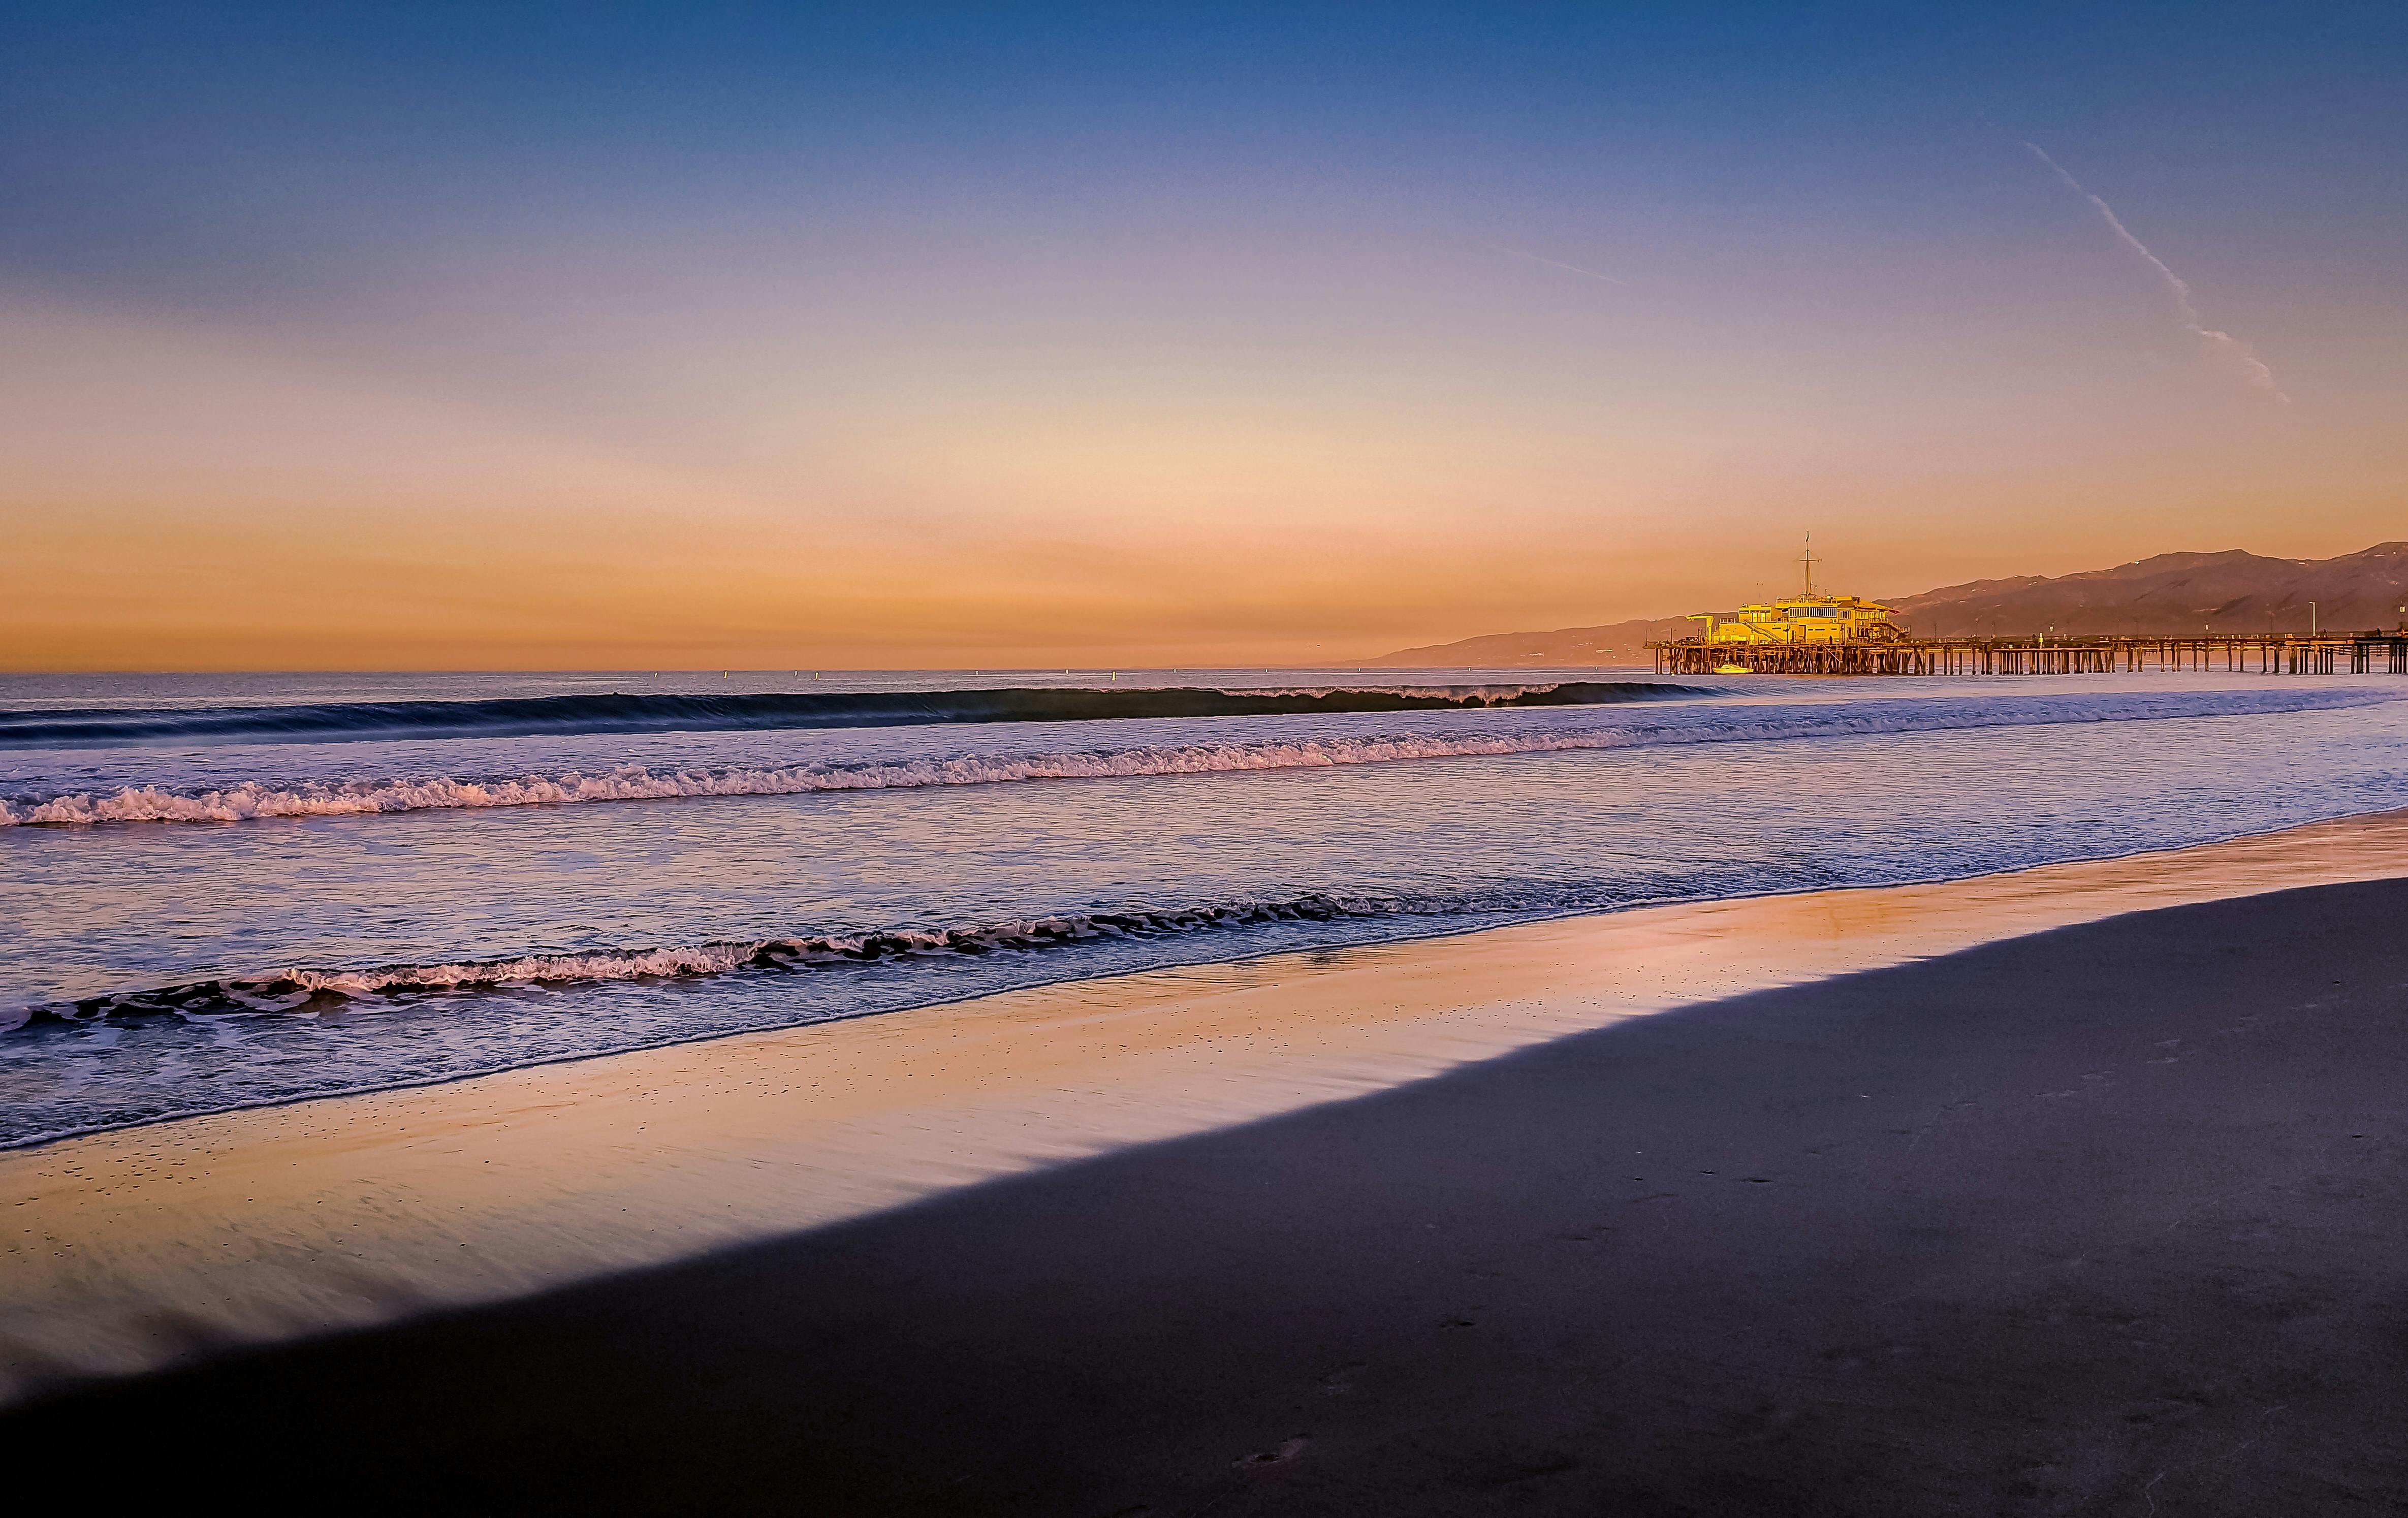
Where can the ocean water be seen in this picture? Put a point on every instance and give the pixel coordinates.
(221, 891)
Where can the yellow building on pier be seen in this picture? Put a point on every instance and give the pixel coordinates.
(1803, 619)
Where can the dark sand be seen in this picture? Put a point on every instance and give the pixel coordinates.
(2109, 1220)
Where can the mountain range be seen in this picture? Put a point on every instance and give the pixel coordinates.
(2231, 592)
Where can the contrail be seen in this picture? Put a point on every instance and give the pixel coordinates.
(1568, 269)
(2220, 345)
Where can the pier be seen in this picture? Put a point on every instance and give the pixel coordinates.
(2277, 653)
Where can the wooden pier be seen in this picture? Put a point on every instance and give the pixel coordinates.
(2328, 653)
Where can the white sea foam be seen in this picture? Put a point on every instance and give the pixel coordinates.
(633, 782)
(294, 989)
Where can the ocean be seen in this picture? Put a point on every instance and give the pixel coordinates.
(225, 891)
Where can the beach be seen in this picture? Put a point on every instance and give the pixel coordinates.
(2100, 1217)
(1204, 762)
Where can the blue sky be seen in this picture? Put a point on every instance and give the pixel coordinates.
(1095, 296)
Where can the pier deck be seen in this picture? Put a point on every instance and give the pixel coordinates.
(2327, 653)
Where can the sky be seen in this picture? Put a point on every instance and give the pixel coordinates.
(711, 335)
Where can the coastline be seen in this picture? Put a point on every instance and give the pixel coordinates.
(146, 1248)
(2102, 1220)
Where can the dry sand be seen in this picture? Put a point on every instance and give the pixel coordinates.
(154, 1246)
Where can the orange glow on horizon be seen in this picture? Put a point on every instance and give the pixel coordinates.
(188, 496)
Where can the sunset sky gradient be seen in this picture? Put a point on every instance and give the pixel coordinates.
(748, 336)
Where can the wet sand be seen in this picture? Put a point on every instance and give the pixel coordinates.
(2108, 1219)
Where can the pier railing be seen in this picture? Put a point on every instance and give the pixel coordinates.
(2326, 654)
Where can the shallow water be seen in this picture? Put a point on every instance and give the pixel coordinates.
(385, 911)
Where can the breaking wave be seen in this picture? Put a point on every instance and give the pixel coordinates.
(635, 782)
(525, 716)
(307, 991)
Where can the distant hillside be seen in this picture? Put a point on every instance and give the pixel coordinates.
(1620, 642)
(2231, 592)
(2177, 592)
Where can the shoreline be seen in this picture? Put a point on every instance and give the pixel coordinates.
(2103, 1220)
(37, 1141)
(173, 1242)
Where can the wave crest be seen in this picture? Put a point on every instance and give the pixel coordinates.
(634, 782)
(294, 990)
(618, 712)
